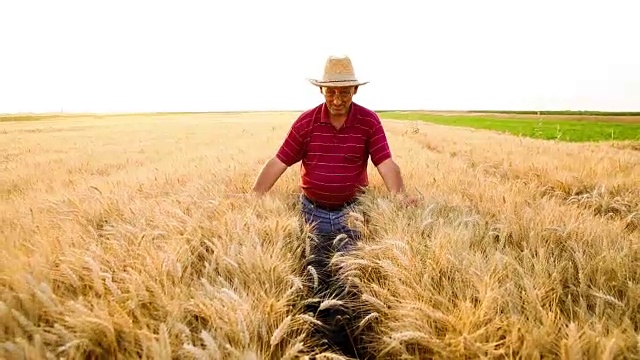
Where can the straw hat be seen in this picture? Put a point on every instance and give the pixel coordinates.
(338, 71)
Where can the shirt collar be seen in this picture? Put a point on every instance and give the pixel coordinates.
(351, 116)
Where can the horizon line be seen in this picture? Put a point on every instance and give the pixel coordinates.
(108, 113)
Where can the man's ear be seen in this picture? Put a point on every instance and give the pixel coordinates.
(355, 90)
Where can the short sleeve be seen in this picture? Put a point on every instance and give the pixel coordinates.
(378, 146)
(292, 148)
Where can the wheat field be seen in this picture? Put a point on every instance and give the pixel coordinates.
(125, 237)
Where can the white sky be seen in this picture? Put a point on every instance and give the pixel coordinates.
(110, 56)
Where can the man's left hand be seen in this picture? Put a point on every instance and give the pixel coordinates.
(407, 200)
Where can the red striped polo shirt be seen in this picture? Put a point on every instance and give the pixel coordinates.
(334, 161)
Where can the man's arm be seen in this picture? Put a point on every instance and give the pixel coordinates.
(390, 173)
(381, 158)
(289, 153)
(388, 169)
(270, 173)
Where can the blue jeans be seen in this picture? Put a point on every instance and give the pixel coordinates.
(327, 225)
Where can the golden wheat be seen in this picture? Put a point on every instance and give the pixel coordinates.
(124, 237)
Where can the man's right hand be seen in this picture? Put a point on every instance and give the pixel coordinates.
(270, 173)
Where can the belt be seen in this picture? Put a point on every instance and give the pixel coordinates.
(330, 208)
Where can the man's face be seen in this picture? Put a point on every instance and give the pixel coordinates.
(339, 99)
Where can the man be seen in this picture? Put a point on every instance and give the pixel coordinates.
(334, 142)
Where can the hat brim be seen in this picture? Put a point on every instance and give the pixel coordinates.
(337, 83)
